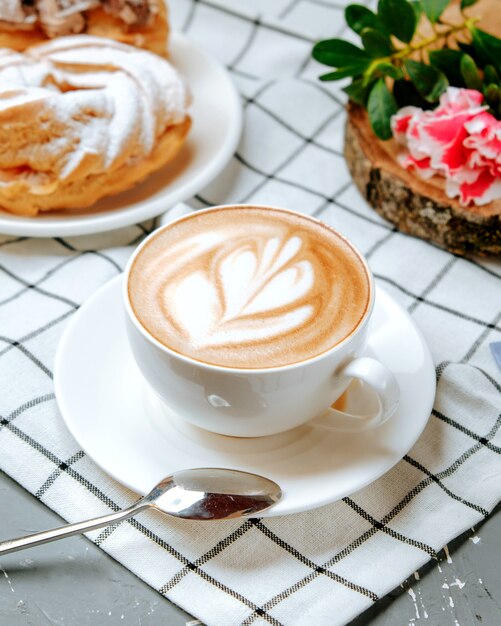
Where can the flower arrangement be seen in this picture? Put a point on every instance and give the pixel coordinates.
(432, 84)
(459, 140)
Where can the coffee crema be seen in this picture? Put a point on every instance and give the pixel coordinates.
(248, 287)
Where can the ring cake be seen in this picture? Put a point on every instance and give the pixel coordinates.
(84, 117)
(141, 23)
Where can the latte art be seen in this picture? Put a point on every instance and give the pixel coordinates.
(248, 287)
(246, 283)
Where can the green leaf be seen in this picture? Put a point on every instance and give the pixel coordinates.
(406, 94)
(359, 17)
(390, 70)
(381, 106)
(429, 81)
(376, 44)
(492, 94)
(487, 48)
(467, 3)
(434, 8)
(448, 61)
(341, 73)
(491, 75)
(470, 73)
(339, 53)
(398, 17)
(418, 9)
(466, 47)
(358, 91)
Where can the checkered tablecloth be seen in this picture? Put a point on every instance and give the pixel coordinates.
(324, 566)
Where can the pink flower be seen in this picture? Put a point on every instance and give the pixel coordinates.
(458, 140)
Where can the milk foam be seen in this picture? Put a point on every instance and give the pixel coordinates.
(248, 287)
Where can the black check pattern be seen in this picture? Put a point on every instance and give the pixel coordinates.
(336, 561)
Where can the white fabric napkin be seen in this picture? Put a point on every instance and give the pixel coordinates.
(323, 566)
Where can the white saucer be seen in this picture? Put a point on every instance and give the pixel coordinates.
(119, 422)
(217, 123)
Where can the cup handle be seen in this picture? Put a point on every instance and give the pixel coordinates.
(384, 384)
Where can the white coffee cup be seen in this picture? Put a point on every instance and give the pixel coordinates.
(258, 402)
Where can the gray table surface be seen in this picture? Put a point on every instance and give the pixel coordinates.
(74, 583)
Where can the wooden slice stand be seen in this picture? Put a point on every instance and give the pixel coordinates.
(418, 207)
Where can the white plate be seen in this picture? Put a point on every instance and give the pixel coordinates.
(121, 424)
(216, 113)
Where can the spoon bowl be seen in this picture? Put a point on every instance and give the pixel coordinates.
(213, 494)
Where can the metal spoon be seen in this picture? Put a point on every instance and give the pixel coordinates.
(196, 494)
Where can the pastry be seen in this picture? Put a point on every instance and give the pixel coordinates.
(84, 117)
(141, 23)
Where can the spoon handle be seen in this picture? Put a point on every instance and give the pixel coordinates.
(13, 545)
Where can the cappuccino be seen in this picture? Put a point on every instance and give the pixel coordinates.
(249, 287)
